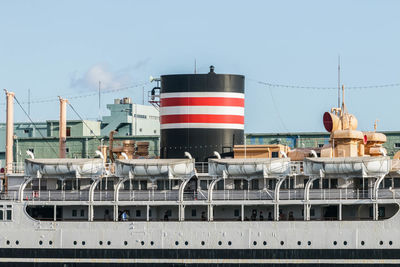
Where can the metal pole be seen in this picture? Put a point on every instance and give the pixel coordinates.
(9, 133)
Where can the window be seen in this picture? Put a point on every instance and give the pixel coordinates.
(220, 185)
(67, 150)
(237, 184)
(155, 131)
(74, 213)
(254, 184)
(140, 129)
(169, 213)
(203, 184)
(193, 213)
(334, 183)
(143, 185)
(1, 215)
(26, 131)
(321, 145)
(68, 131)
(275, 154)
(160, 185)
(82, 213)
(135, 185)
(396, 182)
(397, 145)
(138, 213)
(236, 213)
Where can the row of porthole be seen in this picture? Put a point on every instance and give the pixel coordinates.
(202, 243)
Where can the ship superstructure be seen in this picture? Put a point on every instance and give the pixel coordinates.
(245, 205)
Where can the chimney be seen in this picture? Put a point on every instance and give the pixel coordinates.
(63, 126)
(9, 131)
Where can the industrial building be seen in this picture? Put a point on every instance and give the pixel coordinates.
(131, 121)
(314, 139)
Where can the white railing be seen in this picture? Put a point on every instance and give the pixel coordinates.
(201, 195)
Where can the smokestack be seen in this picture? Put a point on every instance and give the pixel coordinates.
(9, 131)
(63, 126)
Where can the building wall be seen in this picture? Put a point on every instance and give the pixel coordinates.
(300, 140)
(77, 147)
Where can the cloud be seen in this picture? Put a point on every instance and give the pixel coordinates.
(100, 72)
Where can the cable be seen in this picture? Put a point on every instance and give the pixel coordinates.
(322, 87)
(34, 125)
(106, 91)
(83, 121)
(277, 110)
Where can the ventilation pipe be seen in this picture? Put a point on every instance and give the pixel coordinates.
(283, 154)
(30, 154)
(314, 153)
(217, 155)
(63, 127)
(9, 132)
(187, 154)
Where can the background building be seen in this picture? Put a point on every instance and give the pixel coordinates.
(132, 121)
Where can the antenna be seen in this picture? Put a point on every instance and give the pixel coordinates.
(29, 101)
(195, 66)
(338, 80)
(143, 95)
(99, 101)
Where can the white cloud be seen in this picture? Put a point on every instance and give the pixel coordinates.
(102, 73)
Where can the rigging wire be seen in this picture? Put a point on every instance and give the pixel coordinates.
(324, 87)
(106, 91)
(277, 110)
(34, 125)
(83, 121)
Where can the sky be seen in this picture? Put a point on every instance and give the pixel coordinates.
(64, 48)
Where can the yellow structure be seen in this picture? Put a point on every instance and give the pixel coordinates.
(345, 139)
(260, 151)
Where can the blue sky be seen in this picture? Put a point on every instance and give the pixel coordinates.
(64, 48)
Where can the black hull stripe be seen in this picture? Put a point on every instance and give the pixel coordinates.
(190, 254)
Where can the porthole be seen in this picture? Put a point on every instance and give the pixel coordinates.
(8, 242)
(176, 243)
(74, 242)
(40, 242)
(309, 243)
(186, 243)
(151, 243)
(125, 243)
(100, 243)
(334, 243)
(255, 243)
(265, 243)
(108, 242)
(381, 243)
(362, 243)
(83, 243)
(219, 243)
(142, 243)
(203, 243)
(17, 242)
(390, 243)
(299, 243)
(50, 242)
(345, 243)
(282, 243)
(229, 243)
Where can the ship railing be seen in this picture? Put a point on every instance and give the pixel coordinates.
(201, 167)
(296, 167)
(10, 195)
(55, 195)
(200, 195)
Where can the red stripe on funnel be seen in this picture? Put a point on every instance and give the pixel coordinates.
(202, 118)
